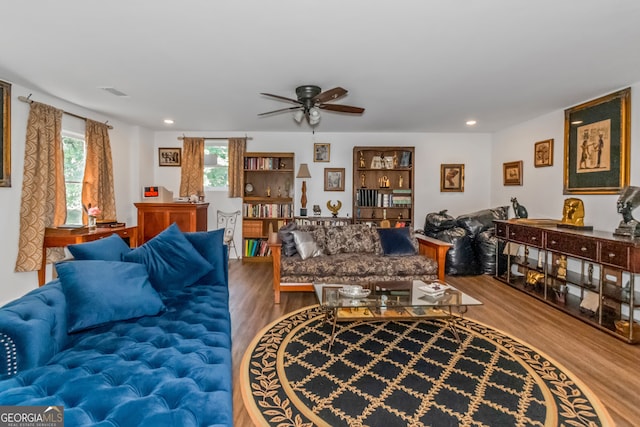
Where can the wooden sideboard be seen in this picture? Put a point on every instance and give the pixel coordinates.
(588, 274)
(155, 217)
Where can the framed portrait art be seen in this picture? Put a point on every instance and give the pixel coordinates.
(170, 156)
(452, 178)
(512, 173)
(596, 145)
(334, 179)
(321, 152)
(5, 134)
(543, 153)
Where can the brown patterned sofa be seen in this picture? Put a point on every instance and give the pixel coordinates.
(352, 253)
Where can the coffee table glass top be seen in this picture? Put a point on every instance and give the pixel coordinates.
(393, 294)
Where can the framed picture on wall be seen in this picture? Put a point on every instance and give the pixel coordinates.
(170, 156)
(334, 179)
(452, 178)
(596, 145)
(512, 173)
(5, 135)
(321, 152)
(543, 153)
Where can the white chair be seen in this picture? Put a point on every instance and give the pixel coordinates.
(227, 220)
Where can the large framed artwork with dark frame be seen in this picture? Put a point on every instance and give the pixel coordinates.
(5, 135)
(596, 145)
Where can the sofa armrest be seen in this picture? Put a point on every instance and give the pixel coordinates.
(33, 329)
(275, 244)
(434, 249)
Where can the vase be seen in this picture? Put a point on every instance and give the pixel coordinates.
(91, 222)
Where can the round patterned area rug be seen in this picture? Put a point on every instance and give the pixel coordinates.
(406, 373)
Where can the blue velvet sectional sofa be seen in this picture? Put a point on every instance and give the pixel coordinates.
(126, 337)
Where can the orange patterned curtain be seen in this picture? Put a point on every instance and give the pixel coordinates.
(192, 172)
(43, 201)
(97, 187)
(237, 148)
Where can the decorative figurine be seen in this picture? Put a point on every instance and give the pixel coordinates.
(590, 275)
(363, 179)
(334, 208)
(526, 255)
(540, 259)
(562, 267)
(362, 163)
(316, 210)
(518, 210)
(395, 159)
(268, 191)
(384, 182)
(383, 162)
(573, 215)
(628, 200)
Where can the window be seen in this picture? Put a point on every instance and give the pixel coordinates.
(73, 147)
(216, 165)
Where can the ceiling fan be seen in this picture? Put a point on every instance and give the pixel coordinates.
(311, 100)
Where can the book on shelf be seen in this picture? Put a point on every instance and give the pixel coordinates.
(262, 163)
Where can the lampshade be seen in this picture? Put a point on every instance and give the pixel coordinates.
(298, 116)
(314, 116)
(303, 171)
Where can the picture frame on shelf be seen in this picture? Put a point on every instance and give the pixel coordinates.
(512, 173)
(451, 178)
(597, 144)
(334, 179)
(321, 152)
(170, 156)
(543, 153)
(5, 135)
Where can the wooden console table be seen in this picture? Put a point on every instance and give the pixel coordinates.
(59, 238)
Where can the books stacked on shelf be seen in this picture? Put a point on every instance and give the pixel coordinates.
(256, 247)
(374, 198)
(267, 210)
(401, 198)
(262, 163)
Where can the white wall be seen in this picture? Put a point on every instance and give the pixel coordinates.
(541, 192)
(128, 163)
(432, 149)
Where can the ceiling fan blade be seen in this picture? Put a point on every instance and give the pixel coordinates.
(330, 95)
(342, 108)
(281, 110)
(295, 101)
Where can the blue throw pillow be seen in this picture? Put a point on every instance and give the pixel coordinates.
(110, 248)
(99, 292)
(211, 246)
(396, 241)
(172, 262)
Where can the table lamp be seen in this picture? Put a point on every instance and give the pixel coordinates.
(303, 172)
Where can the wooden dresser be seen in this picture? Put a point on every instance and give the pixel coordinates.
(155, 217)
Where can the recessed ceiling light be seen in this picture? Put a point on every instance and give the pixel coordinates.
(471, 122)
(168, 121)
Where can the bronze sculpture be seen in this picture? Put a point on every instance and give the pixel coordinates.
(628, 200)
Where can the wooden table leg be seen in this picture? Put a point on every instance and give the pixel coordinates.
(42, 273)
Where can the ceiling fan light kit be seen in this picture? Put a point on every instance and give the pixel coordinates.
(311, 100)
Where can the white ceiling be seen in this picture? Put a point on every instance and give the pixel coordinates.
(415, 65)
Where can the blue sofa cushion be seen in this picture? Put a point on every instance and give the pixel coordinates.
(171, 261)
(110, 248)
(210, 245)
(396, 241)
(99, 292)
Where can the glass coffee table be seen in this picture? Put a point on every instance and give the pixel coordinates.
(384, 301)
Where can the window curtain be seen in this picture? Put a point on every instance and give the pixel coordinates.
(97, 186)
(192, 172)
(237, 148)
(43, 202)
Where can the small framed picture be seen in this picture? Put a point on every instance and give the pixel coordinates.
(452, 178)
(321, 152)
(170, 156)
(333, 179)
(543, 153)
(512, 173)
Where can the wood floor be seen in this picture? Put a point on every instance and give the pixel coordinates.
(609, 367)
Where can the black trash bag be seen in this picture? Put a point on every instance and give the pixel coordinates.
(485, 245)
(460, 257)
(438, 221)
(476, 222)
